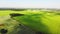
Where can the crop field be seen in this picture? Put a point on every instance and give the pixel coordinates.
(29, 22)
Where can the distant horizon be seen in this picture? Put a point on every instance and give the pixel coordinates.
(29, 8)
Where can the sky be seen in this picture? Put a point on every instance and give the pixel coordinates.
(30, 4)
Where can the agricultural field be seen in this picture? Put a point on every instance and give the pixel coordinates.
(29, 22)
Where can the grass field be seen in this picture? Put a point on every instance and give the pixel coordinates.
(49, 18)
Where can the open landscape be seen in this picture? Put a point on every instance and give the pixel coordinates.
(30, 21)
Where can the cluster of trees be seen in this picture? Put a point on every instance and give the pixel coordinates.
(23, 9)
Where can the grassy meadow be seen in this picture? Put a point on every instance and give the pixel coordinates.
(50, 21)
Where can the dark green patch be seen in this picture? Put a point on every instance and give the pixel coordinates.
(16, 14)
(34, 22)
(57, 13)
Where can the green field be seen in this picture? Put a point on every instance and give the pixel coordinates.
(47, 22)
